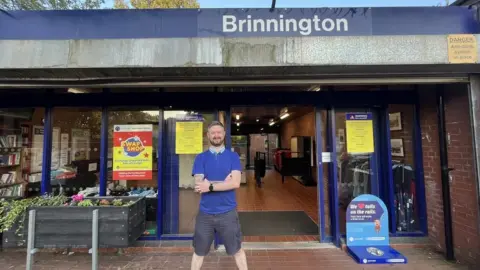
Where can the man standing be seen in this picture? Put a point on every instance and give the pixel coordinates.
(217, 174)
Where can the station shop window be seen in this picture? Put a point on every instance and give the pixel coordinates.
(20, 152)
(124, 125)
(357, 171)
(75, 153)
(405, 184)
(181, 203)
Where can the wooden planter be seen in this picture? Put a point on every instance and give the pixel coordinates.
(71, 226)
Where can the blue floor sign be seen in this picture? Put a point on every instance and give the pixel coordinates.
(368, 232)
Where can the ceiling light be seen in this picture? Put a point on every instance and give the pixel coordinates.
(261, 129)
(237, 116)
(283, 116)
(271, 123)
(238, 124)
(258, 120)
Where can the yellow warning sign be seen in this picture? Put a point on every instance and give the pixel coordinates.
(462, 49)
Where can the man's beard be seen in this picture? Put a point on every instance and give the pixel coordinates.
(217, 144)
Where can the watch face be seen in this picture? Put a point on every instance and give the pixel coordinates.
(211, 187)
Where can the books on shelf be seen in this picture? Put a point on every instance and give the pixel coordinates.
(10, 185)
(9, 141)
(8, 178)
(16, 190)
(10, 159)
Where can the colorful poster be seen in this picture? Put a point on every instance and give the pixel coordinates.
(359, 133)
(188, 137)
(132, 152)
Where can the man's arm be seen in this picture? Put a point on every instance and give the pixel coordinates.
(233, 182)
(198, 178)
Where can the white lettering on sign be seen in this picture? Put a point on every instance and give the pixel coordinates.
(304, 26)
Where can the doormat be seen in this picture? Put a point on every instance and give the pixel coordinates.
(273, 223)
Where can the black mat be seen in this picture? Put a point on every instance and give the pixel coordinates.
(277, 223)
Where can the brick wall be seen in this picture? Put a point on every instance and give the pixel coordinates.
(463, 184)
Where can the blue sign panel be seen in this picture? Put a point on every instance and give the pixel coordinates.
(359, 116)
(191, 23)
(368, 232)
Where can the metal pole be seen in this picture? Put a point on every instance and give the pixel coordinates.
(94, 249)
(445, 170)
(30, 240)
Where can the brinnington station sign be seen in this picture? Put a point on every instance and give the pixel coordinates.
(235, 23)
(304, 26)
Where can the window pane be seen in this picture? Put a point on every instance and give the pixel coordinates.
(403, 167)
(129, 119)
(178, 176)
(355, 172)
(20, 152)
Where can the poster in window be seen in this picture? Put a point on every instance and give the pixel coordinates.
(36, 160)
(359, 129)
(132, 152)
(64, 149)
(80, 144)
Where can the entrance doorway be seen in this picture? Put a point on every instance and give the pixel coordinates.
(284, 207)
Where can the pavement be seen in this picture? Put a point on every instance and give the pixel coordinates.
(174, 258)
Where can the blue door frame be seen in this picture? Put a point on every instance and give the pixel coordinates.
(202, 101)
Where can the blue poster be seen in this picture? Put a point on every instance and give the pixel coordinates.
(368, 232)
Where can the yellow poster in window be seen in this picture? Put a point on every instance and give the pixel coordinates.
(359, 133)
(189, 137)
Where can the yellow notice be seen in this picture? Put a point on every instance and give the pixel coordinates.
(462, 49)
(188, 137)
(359, 133)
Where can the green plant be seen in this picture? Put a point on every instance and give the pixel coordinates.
(14, 212)
(86, 203)
(117, 202)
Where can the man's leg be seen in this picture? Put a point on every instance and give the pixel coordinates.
(228, 228)
(202, 238)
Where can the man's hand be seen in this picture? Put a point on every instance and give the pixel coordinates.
(202, 187)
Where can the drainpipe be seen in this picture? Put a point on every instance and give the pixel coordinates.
(445, 170)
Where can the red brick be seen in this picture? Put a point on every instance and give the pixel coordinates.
(463, 187)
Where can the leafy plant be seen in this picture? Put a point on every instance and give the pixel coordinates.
(14, 212)
(86, 203)
(117, 202)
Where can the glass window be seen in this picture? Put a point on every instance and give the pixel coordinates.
(403, 167)
(20, 155)
(134, 132)
(181, 201)
(356, 169)
(75, 160)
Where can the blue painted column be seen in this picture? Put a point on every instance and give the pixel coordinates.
(45, 186)
(320, 187)
(228, 127)
(333, 176)
(160, 196)
(104, 152)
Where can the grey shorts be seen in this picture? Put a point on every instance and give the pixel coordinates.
(226, 225)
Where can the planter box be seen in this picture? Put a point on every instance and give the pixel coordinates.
(71, 226)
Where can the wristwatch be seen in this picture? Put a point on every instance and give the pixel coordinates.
(210, 187)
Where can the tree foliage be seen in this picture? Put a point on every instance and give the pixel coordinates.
(50, 4)
(144, 4)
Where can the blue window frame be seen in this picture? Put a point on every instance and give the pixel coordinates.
(330, 101)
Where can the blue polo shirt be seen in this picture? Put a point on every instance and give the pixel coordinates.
(216, 166)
